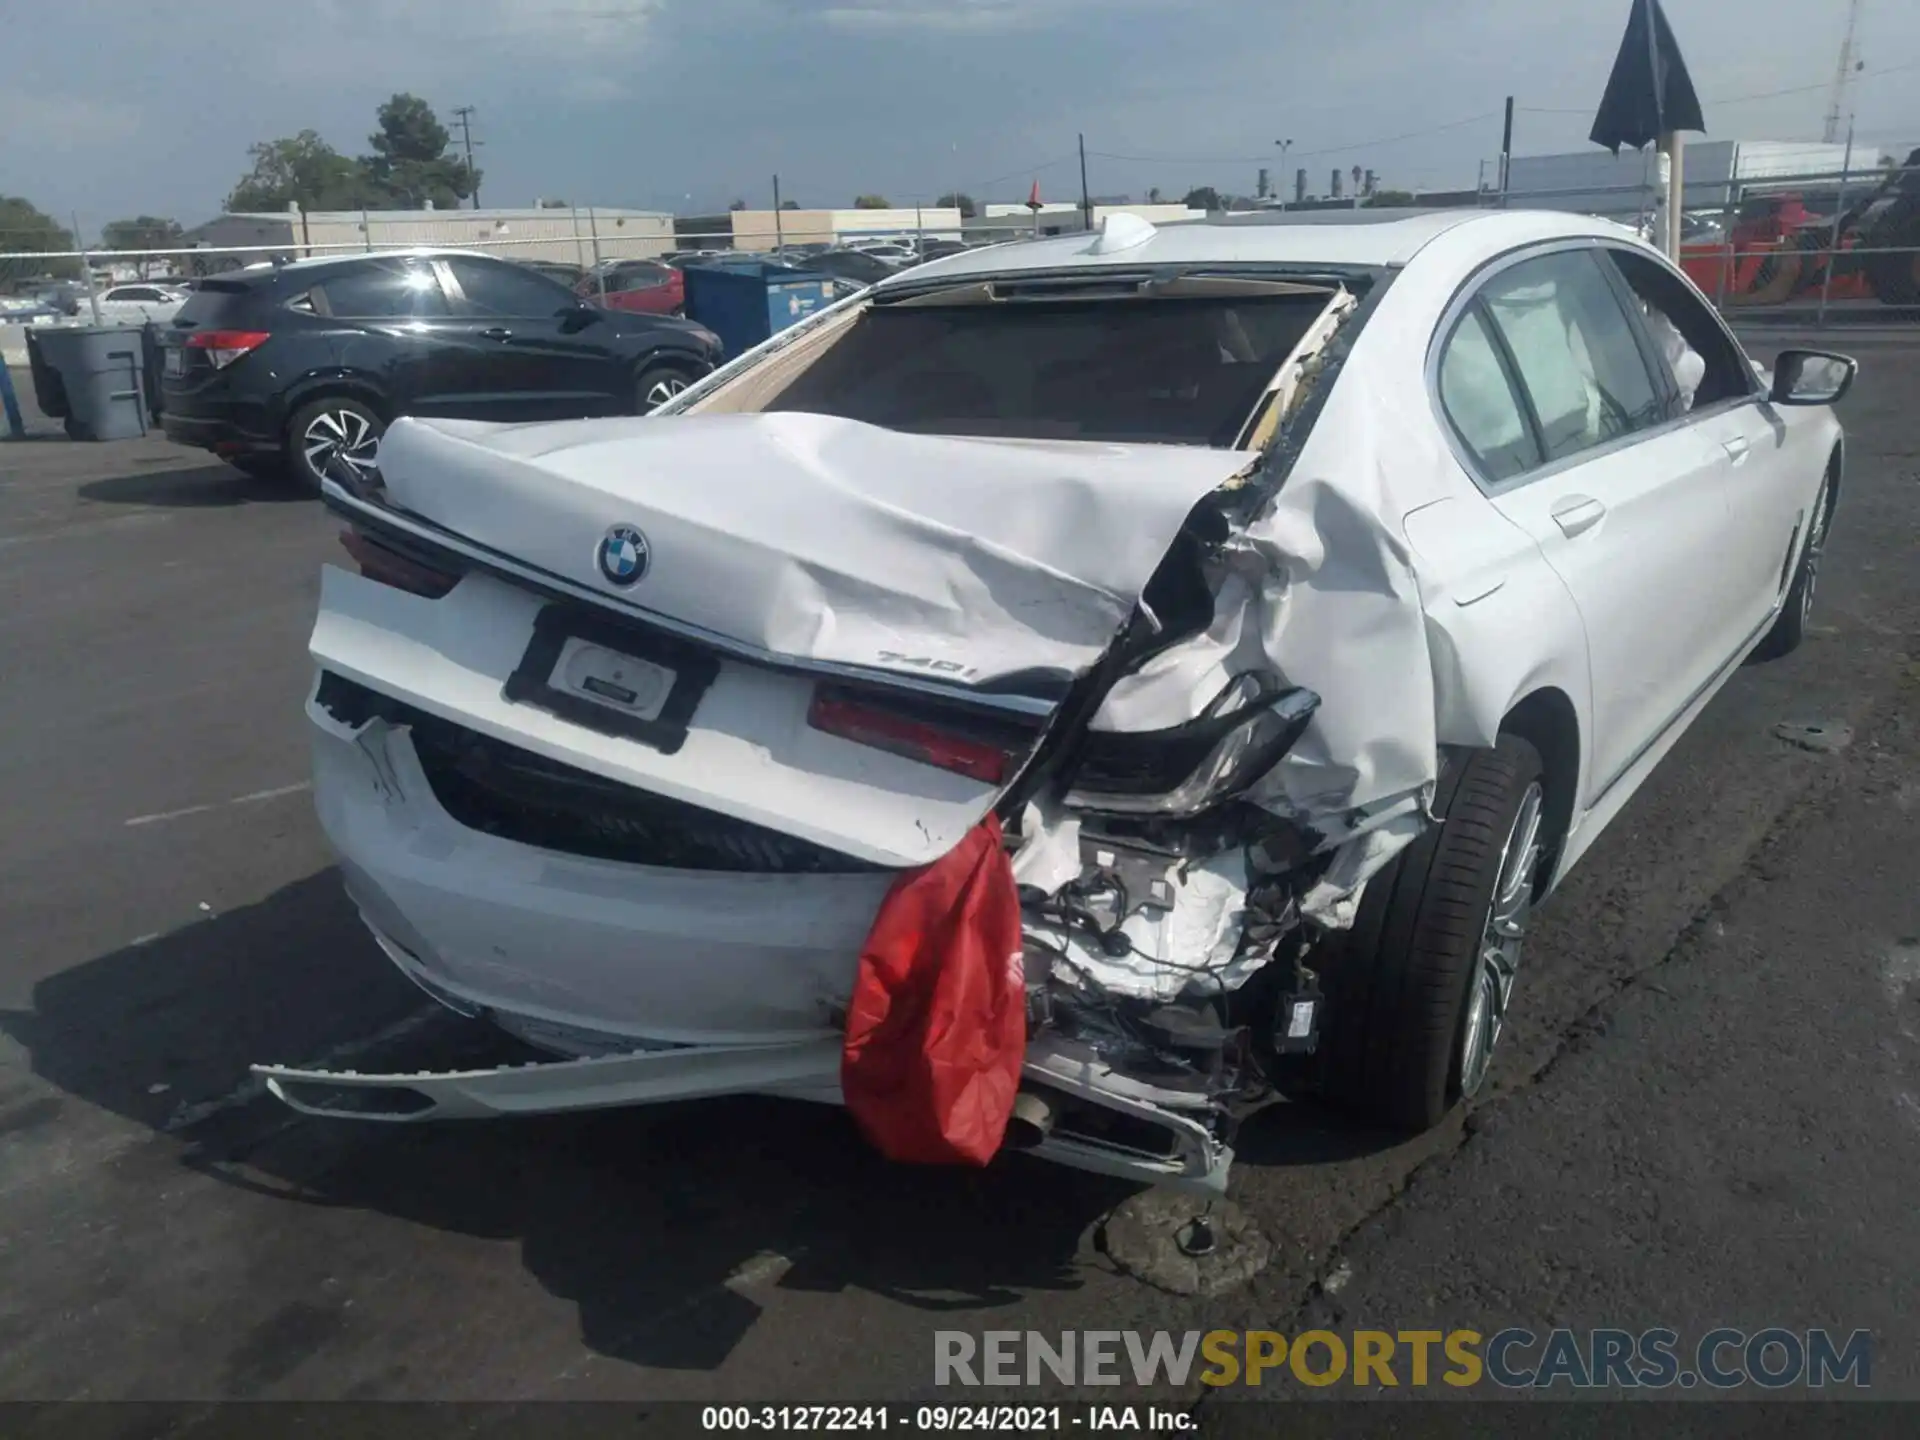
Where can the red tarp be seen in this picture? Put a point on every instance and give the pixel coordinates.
(937, 1027)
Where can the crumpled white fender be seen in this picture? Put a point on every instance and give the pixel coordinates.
(1321, 589)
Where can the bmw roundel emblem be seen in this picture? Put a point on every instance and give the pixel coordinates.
(624, 555)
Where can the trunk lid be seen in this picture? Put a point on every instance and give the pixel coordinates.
(798, 572)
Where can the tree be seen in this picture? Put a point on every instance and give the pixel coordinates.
(302, 169)
(789, 204)
(872, 202)
(410, 164)
(1390, 199)
(142, 233)
(964, 203)
(1153, 196)
(738, 205)
(24, 227)
(1203, 197)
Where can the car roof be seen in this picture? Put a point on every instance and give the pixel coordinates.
(1367, 239)
(320, 262)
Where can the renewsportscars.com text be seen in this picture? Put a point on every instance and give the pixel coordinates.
(1513, 1358)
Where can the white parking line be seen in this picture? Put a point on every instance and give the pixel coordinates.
(253, 798)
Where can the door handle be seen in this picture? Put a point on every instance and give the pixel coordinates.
(497, 332)
(1576, 513)
(1736, 448)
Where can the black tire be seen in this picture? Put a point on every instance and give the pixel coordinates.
(659, 383)
(352, 424)
(1400, 985)
(1894, 274)
(1795, 612)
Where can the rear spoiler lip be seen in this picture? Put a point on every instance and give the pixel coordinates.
(376, 517)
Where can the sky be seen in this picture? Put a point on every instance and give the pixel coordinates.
(111, 108)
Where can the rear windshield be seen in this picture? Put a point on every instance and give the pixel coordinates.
(1171, 371)
(210, 300)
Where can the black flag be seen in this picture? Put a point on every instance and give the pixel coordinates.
(1649, 92)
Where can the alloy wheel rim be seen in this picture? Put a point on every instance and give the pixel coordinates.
(1815, 541)
(1501, 939)
(340, 435)
(663, 390)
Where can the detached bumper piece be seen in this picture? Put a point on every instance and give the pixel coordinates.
(1107, 1125)
(694, 1072)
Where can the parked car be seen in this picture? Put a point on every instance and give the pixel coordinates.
(855, 265)
(137, 304)
(306, 364)
(567, 275)
(642, 287)
(1285, 609)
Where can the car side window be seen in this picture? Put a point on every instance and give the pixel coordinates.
(1575, 351)
(1707, 366)
(384, 290)
(1480, 401)
(495, 289)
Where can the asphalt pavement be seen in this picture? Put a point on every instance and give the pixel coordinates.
(1705, 1110)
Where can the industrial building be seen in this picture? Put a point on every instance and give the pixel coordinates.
(575, 235)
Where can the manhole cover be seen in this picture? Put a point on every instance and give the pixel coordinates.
(1823, 737)
(1185, 1244)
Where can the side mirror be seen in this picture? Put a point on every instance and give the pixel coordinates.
(579, 318)
(1812, 377)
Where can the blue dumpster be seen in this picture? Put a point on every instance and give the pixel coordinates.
(745, 303)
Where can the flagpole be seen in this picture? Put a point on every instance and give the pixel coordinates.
(1673, 147)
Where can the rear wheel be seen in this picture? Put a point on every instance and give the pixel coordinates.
(337, 431)
(660, 383)
(1417, 992)
(1797, 611)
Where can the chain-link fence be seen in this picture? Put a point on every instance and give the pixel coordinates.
(1822, 246)
(1815, 247)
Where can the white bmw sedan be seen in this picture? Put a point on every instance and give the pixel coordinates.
(1298, 601)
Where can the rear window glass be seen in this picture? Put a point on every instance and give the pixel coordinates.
(210, 300)
(1171, 371)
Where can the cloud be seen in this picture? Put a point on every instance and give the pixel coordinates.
(952, 16)
(32, 119)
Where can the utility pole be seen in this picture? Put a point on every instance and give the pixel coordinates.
(1842, 75)
(779, 234)
(1506, 152)
(1086, 200)
(464, 114)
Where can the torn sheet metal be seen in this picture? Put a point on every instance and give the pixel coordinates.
(1321, 589)
(827, 539)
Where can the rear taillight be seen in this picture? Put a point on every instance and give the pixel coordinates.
(988, 759)
(384, 563)
(223, 347)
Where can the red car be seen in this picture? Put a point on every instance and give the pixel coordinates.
(645, 287)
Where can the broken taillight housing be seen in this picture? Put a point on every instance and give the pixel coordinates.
(967, 745)
(388, 563)
(223, 347)
(1189, 769)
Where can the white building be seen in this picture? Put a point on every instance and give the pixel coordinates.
(1714, 173)
(575, 235)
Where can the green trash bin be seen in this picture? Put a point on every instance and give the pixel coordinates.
(102, 371)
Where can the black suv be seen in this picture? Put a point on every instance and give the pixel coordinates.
(302, 365)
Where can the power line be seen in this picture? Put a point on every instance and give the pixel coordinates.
(1743, 99)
